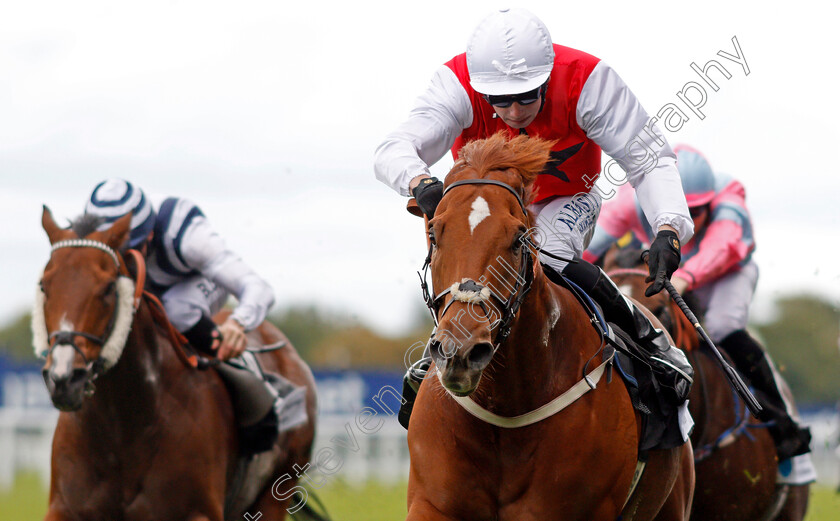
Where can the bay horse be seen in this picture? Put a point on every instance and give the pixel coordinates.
(509, 341)
(735, 458)
(144, 435)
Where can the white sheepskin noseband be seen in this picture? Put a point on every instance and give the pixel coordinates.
(481, 295)
(114, 345)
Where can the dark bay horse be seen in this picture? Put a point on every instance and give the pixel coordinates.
(142, 434)
(735, 459)
(507, 343)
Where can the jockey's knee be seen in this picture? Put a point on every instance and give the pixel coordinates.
(719, 327)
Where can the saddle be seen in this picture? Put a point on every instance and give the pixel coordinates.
(265, 404)
(651, 382)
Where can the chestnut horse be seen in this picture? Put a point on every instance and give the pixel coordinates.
(142, 434)
(735, 458)
(508, 342)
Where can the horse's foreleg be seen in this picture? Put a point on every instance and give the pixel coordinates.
(677, 506)
(54, 515)
(267, 507)
(423, 511)
(796, 505)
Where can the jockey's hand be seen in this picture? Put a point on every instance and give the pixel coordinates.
(663, 260)
(428, 194)
(233, 340)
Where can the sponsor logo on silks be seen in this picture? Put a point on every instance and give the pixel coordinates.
(558, 157)
(675, 243)
(581, 206)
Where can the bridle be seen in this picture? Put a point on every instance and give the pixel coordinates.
(470, 291)
(119, 321)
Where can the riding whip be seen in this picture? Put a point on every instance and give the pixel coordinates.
(732, 375)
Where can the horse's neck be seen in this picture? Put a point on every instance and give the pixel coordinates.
(541, 357)
(127, 395)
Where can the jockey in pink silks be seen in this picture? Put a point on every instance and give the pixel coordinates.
(717, 268)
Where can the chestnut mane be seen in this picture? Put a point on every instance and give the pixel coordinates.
(526, 155)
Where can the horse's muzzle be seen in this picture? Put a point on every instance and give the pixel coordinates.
(460, 370)
(67, 390)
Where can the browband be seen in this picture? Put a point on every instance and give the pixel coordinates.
(489, 182)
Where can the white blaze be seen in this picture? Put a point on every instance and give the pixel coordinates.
(480, 211)
(63, 355)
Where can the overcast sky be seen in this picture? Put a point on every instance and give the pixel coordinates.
(267, 115)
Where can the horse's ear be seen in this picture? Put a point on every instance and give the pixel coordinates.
(117, 234)
(54, 231)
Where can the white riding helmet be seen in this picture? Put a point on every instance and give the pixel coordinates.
(510, 52)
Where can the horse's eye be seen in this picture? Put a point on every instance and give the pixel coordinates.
(432, 235)
(517, 241)
(41, 285)
(109, 289)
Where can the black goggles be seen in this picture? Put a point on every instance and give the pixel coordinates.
(505, 101)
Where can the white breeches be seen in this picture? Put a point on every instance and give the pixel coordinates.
(727, 300)
(565, 226)
(186, 301)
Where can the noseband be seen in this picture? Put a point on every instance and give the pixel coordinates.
(470, 291)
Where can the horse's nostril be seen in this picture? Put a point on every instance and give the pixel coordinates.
(435, 349)
(79, 375)
(480, 355)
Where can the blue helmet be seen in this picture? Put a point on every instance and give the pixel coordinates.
(698, 180)
(114, 198)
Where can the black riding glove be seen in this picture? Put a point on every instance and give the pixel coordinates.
(428, 194)
(663, 260)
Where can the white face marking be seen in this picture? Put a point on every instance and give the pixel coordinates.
(480, 211)
(64, 324)
(63, 355)
(625, 289)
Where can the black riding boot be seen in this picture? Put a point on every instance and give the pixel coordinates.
(411, 384)
(621, 312)
(751, 361)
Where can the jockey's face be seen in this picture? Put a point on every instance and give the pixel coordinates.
(700, 215)
(519, 115)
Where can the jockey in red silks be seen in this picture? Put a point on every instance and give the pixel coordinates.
(513, 79)
(717, 267)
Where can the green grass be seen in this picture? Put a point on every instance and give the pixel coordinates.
(27, 501)
(371, 502)
(824, 504)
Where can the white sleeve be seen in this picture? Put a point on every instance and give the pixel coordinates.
(437, 119)
(612, 117)
(204, 250)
